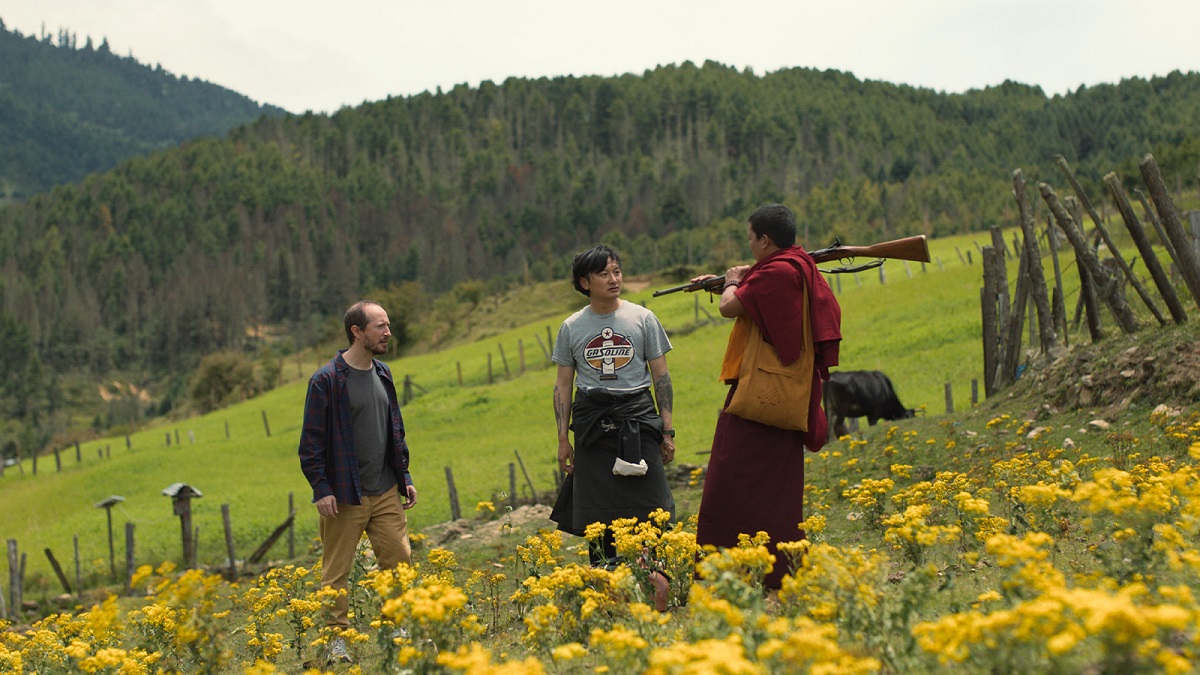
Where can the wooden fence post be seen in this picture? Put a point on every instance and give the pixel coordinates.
(107, 504)
(503, 359)
(988, 309)
(1165, 289)
(14, 583)
(455, 511)
(291, 528)
(1108, 241)
(489, 367)
(271, 539)
(1059, 303)
(512, 485)
(181, 495)
(458, 366)
(974, 391)
(949, 399)
(1037, 279)
(233, 575)
(1105, 285)
(62, 578)
(266, 424)
(78, 453)
(1006, 371)
(129, 559)
(1185, 259)
(78, 570)
(521, 355)
(532, 490)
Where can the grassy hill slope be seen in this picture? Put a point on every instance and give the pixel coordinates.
(922, 330)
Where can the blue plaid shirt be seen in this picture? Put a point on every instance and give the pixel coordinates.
(327, 454)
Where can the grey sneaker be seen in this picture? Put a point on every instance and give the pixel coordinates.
(338, 653)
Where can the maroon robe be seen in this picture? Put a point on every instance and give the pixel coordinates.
(755, 477)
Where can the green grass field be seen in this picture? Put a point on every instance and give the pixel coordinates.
(921, 327)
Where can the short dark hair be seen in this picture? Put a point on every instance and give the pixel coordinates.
(357, 316)
(777, 222)
(591, 261)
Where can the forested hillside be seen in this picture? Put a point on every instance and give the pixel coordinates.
(70, 109)
(184, 252)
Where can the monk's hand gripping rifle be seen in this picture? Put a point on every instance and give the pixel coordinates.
(908, 248)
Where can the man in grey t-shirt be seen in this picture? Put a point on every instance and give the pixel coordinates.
(609, 355)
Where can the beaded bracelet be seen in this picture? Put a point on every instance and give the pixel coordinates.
(731, 284)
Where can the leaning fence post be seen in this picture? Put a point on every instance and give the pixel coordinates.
(1108, 290)
(1165, 289)
(503, 358)
(1184, 260)
(455, 511)
(532, 490)
(266, 424)
(1108, 241)
(62, 578)
(512, 485)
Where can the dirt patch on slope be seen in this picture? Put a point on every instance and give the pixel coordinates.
(1152, 368)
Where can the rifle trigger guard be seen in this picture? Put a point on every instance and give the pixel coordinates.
(849, 269)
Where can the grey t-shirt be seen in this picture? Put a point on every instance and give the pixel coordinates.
(611, 351)
(370, 419)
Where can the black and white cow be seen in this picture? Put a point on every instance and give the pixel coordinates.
(861, 393)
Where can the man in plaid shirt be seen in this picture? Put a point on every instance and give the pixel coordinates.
(354, 454)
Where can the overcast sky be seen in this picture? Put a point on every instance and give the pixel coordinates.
(323, 55)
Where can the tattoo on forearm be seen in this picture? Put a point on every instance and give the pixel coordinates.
(560, 412)
(664, 393)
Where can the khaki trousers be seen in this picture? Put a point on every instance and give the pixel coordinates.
(382, 519)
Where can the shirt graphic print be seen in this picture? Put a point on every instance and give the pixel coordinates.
(608, 352)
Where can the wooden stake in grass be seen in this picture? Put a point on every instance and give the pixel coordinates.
(107, 503)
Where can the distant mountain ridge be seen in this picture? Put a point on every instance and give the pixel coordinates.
(67, 110)
(280, 223)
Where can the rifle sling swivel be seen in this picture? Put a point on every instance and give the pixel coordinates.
(854, 268)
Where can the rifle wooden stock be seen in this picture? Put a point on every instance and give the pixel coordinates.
(909, 248)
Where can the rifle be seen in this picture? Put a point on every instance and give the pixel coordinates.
(908, 248)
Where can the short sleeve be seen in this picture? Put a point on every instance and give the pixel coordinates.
(563, 355)
(657, 342)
